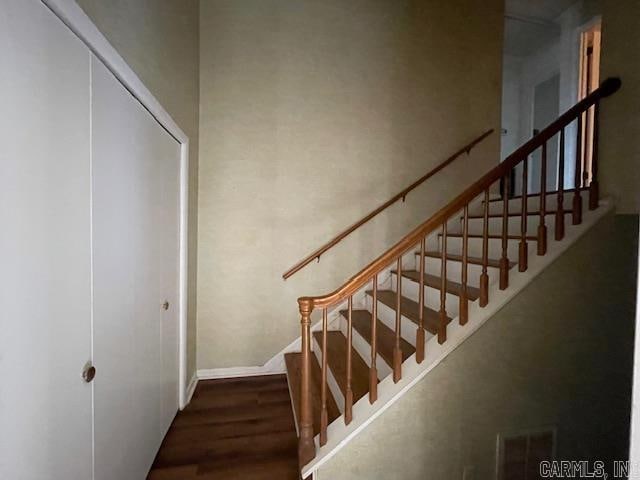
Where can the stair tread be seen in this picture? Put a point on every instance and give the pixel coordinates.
(434, 281)
(293, 362)
(410, 310)
(519, 214)
(336, 359)
(533, 195)
(532, 238)
(491, 262)
(385, 337)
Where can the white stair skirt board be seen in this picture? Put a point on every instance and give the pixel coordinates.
(339, 434)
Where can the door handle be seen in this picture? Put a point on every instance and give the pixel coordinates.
(89, 372)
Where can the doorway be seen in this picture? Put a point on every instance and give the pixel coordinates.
(589, 80)
(546, 101)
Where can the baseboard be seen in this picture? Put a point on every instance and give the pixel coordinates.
(235, 372)
(274, 366)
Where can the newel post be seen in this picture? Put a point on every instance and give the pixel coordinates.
(306, 445)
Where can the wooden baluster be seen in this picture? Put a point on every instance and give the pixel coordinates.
(523, 250)
(348, 398)
(594, 188)
(442, 327)
(504, 260)
(559, 235)
(542, 228)
(306, 445)
(373, 370)
(464, 297)
(484, 276)
(576, 217)
(420, 330)
(324, 417)
(397, 351)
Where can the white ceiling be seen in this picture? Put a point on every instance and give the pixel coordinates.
(540, 9)
(530, 24)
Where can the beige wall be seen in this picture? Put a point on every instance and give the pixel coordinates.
(312, 113)
(559, 354)
(620, 149)
(159, 40)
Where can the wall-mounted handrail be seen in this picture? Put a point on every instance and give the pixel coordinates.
(608, 87)
(316, 254)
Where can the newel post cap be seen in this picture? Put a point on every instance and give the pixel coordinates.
(305, 305)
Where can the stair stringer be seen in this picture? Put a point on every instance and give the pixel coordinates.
(364, 413)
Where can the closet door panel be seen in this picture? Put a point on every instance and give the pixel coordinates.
(45, 322)
(169, 164)
(127, 281)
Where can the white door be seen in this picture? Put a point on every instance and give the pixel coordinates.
(135, 165)
(45, 315)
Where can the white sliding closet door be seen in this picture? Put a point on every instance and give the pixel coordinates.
(45, 296)
(169, 235)
(135, 165)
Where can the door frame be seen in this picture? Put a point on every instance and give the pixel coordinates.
(83, 27)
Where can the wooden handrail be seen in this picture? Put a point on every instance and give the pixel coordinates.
(401, 195)
(355, 283)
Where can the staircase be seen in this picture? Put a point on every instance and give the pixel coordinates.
(390, 324)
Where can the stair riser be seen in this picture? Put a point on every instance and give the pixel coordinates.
(387, 316)
(476, 225)
(410, 289)
(363, 348)
(454, 270)
(454, 225)
(474, 247)
(331, 380)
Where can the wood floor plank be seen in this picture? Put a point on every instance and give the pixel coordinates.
(233, 428)
(255, 468)
(232, 398)
(235, 413)
(181, 472)
(217, 431)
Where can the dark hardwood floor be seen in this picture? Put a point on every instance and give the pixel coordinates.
(232, 429)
